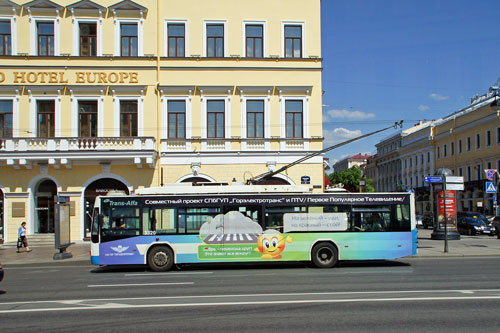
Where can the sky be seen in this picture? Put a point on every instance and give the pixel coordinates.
(410, 60)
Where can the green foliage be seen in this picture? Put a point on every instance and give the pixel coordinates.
(350, 178)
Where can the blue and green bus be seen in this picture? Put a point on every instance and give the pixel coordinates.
(246, 225)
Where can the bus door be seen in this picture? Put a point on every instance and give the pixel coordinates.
(241, 229)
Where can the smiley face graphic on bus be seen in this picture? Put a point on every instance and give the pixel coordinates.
(271, 243)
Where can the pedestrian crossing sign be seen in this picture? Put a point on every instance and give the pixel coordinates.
(490, 187)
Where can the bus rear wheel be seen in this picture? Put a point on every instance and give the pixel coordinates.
(160, 259)
(324, 255)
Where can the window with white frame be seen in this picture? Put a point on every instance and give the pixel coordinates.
(6, 118)
(5, 37)
(215, 118)
(88, 39)
(87, 118)
(255, 109)
(215, 39)
(45, 111)
(176, 38)
(488, 138)
(254, 40)
(294, 115)
(176, 113)
(45, 38)
(293, 39)
(128, 118)
(128, 38)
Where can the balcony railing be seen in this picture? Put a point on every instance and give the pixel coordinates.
(76, 144)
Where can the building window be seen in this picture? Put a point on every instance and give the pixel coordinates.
(460, 146)
(128, 118)
(422, 159)
(293, 118)
(489, 165)
(176, 119)
(488, 138)
(478, 171)
(87, 119)
(416, 160)
(445, 151)
(438, 152)
(468, 145)
(215, 40)
(498, 135)
(460, 172)
(45, 31)
(5, 38)
(254, 40)
(176, 39)
(255, 118)
(129, 40)
(428, 157)
(88, 39)
(452, 148)
(293, 41)
(469, 174)
(215, 115)
(406, 163)
(478, 141)
(46, 118)
(5, 119)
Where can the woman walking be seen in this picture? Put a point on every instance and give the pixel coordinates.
(21, 238)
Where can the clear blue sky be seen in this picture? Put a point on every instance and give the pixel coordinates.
(411, 60)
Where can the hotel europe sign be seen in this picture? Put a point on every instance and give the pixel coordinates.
(39, 77)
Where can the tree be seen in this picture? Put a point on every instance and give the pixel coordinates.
(350, 179)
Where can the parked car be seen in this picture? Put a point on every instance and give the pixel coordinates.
(420, 218)
(428, 220)
(496, 225)
(480, 217)
(468, 225)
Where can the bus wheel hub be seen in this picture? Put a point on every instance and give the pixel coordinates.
(160, 258)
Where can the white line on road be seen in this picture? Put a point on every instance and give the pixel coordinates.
(274, 302)
(136, 284)
(123, 299)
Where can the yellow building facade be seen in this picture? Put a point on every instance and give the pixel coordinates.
(118, 95)
(467, 142)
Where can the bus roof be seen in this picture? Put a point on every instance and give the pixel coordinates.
(188, 188)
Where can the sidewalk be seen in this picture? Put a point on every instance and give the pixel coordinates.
(467, 246)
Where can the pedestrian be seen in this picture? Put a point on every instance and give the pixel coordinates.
(22, 240)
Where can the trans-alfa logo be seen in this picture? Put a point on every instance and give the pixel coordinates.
(119, 251)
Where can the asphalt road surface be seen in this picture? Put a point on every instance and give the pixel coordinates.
(459, 294)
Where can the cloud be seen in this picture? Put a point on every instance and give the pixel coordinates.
(353, 115)
(438, 97)
(339, 135)
(423, 107)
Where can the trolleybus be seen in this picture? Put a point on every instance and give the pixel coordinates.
(250, 223)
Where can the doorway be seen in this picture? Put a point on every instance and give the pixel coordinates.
(45, 193)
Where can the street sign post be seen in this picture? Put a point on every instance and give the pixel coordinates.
(433, 179)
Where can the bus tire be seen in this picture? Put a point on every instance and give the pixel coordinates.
(324, 255)
(160, 258)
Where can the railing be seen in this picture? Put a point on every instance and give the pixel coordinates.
(224, 144)
(77, 144)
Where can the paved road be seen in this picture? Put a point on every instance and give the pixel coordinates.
(432, 294)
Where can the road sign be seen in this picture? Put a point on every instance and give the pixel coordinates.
(454, 187)
(455, 179)
(490, 187)
(490, 173)
(433, 179)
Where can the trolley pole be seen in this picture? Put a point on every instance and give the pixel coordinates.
(444, 218)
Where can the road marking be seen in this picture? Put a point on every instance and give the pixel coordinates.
(471, 291)
(169, 274)
(136, 284)
(260, 302)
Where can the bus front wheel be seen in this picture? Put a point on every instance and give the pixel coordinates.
(324, 255)
(160, 258)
